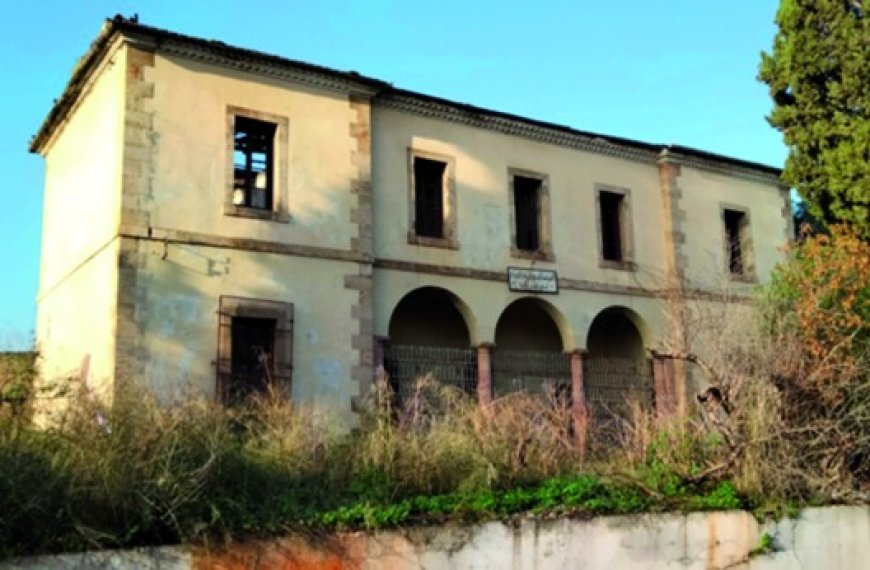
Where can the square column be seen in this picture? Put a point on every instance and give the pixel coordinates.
(484, 374)
(579, 408)
(665, 382)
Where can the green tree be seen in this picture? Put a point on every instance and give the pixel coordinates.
(819, 79)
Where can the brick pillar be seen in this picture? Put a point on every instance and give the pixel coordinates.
(484, 374)
(664, 379)
(579, 413)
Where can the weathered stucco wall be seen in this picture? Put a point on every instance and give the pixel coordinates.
(486, 300)
(180, 286)
(831, 538)
(76, 326)
(482, 159)
(703, 196)
(78, 269)
(191, 154)
(83, 177)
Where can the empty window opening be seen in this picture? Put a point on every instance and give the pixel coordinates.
(252, 357)
(735, 228)
(429, 197)
(611, 205)
(527, 212)
(253, 163)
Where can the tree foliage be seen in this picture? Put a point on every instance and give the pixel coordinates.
(819, 78)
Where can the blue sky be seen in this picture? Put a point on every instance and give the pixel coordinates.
(679, 72)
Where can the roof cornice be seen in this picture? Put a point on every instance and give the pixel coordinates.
(727, 167)
(119, 30)
(218, 54)
(514, 126)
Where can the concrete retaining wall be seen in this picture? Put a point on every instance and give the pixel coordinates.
(821, 538)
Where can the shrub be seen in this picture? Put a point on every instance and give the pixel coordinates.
(816, 313)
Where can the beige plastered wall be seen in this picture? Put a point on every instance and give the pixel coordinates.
(704, 194)
(191, 154)
(78, 266)
(482, 161)
(178, 284)
(180, 290)
(483, 301)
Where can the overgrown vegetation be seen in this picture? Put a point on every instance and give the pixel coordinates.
(143, 474)
(17, 372)
(785, 421)
(790, 381)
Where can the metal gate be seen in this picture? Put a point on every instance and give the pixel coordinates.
(449, 366)
(611, 383)
(530, 371)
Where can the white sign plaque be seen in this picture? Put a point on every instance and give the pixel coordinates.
(534, 280)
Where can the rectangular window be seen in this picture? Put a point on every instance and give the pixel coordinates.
(527, 212)
(429, 181)
(255, 348)
(611, 211)
(253, 163)
(735, 241)
(252, 357)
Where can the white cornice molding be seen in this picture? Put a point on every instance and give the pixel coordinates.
(285, 72)
(513, 127)
(731, 170)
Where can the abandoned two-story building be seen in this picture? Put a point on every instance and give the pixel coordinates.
(217, 219)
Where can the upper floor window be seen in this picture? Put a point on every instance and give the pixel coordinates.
(737, 242)
(253, 163)
(429, 197)
(433, 201)
(614, 227)
(530, 215)
(527, 212)
(257, 165)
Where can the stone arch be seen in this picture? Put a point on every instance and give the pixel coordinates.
(618, 331)
(531, 323)
(432, 316)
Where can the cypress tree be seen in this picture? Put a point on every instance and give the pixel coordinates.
(819, 79)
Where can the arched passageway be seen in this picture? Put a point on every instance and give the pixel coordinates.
(613, 334)
(617, 370)
(429, 335)
(529, 353)
(429, 316)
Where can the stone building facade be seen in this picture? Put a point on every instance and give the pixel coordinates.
(217, 219)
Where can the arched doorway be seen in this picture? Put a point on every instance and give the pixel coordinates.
(617, 369)
(529, 349)
(429, 334)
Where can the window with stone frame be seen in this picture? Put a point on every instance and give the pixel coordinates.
(530, 215)
(738, 245)
(257, 168)
(255, 348)
(432, 200)
(615, 238)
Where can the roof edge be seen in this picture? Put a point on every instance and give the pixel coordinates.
(80, 74)
(384, 93)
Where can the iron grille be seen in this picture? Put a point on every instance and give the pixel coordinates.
(530, 371)
(610, 383)
(449, 366)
